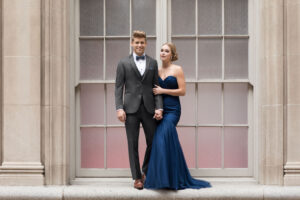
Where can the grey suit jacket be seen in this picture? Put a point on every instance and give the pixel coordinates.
(137, 87)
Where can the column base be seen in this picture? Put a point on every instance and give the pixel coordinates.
(21, 174)
(292, 174)
(292, 179)
(21, 180)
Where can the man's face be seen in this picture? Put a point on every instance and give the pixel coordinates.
(139, 45)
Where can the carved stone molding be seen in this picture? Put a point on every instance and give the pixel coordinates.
(55, 91)
(292, 63)
(271, 81)
(21, 93)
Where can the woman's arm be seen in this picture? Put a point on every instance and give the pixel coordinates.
(174, 92)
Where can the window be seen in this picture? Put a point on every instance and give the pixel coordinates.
(104, 38)
(212, 40)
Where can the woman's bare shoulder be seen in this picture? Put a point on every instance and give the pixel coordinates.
(177, 69)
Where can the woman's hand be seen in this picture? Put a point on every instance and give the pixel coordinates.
(158, 90)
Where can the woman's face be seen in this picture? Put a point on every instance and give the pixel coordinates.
(165, 53)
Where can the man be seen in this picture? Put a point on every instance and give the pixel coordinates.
(139, 74)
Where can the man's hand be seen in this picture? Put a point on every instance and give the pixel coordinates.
(158, 114)
(121, 115)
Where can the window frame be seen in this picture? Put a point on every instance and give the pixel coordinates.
(163, 34)
(224, 172)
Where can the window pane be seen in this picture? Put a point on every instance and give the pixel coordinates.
(92, 104)
(236, 147)
(209, 103)
(116, 49)
(111, 114)
(91, 17)
(236, 58)
(144, 16)
(117, 17)
(183, 17)
(209, 17)
(187, 140)
(117, 149)
(92, 147)
(235, 103)
(186, 49)
(188, 108)
(210, 58)
(151, 47)
(236, 17)
(91, 59)
(209, 147)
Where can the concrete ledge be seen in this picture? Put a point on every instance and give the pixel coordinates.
(21, 179)
(31, 193)
(124, 190)
(217, 192)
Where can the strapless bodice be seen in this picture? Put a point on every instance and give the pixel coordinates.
(170, 82)
(171, 103)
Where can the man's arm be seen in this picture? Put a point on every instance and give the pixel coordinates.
(158, 98)
(119, 86)
(120, 81)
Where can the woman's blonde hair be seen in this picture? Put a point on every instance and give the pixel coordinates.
(174, 53)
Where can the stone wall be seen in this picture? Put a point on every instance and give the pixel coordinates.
(35, 49)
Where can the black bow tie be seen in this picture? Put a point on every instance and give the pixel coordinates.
(140, 57)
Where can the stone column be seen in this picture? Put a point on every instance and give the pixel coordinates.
(271, 71)
(292, 165)
(55, 90)
(21, 135)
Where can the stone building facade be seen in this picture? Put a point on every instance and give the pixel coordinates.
(37, 112)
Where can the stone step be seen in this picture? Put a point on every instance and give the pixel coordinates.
(93, 189)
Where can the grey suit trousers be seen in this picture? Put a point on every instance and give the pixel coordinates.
(132, 124)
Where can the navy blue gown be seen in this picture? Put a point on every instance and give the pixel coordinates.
(167, 167)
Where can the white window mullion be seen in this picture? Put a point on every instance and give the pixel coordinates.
(104, 78)
(222, 90)
(167, 31)
(77, 35)
(162, 27)
(78, 136)
(196, 84)
(130, 24)
(223, 43)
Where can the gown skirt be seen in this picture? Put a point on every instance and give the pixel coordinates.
(167, 167)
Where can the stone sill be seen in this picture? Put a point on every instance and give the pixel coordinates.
(122, 189)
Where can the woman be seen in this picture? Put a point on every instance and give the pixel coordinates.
(167, 167)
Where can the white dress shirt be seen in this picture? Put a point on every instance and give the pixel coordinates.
(141, 64)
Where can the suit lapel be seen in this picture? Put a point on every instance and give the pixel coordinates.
(134, 66)
(147, 67)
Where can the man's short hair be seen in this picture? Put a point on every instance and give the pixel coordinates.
(138, 34)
